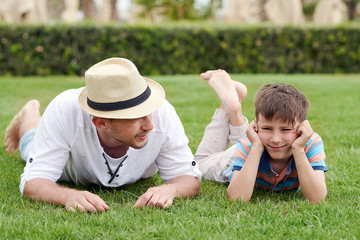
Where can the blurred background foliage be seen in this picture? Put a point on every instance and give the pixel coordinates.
(180, 37)
(184, 48)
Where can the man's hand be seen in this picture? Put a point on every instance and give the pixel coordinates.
(304, 132)
(161, 196)
(71, 199)
(85, 202)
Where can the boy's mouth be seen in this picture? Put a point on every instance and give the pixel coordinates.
(276, 148)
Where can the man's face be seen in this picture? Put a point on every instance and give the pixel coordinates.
(132, 132)
(277, 137)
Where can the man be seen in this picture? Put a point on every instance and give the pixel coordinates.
(115, 131)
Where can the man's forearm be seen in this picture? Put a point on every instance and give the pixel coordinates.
(72, 199)
(46, 191)
(185, 186)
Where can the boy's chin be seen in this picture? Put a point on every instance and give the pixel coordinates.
(279, 156)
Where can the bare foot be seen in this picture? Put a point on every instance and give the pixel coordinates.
(221, 82)
(17, 127)
(241, 90)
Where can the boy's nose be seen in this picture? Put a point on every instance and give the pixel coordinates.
(276, 137)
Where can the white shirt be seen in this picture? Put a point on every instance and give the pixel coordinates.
(66, 147)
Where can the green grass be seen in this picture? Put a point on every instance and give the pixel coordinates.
(334, 113)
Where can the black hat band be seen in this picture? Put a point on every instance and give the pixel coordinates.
(113, 106)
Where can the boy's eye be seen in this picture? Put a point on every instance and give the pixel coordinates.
(287, 129)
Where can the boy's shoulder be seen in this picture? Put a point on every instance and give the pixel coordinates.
(315, 139)
(244, 144)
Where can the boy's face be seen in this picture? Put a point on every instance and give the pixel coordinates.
(277, 137)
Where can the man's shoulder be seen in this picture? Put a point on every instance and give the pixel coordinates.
(165, 111)
(69, 95)
(64, 106)
(66, 100)
(165, 107)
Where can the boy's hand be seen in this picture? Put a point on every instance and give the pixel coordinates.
(304, 132)
(252, 134)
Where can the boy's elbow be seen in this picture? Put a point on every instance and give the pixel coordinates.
(318, 199)
(234, 197)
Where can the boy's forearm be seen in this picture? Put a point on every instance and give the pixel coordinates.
(312, 182)
(243, 181)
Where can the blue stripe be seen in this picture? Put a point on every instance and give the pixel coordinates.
(236, 158)
(262, 182)
(315, 151)
(311, 139)
(316, 144)
(323, 168)
(229, 169)
(230, 176)
(236, 168)
(238, 163)
(289, 183)
(264, 161)
(240, 147)
(320, 163)
(265, 171)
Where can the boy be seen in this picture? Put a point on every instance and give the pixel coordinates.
(280, 151)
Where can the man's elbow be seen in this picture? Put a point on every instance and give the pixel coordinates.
(197, 186)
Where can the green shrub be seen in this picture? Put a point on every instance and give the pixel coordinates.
(70, 50)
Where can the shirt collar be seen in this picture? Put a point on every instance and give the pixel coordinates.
(265, 164)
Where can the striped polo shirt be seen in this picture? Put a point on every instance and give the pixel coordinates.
(268, 179)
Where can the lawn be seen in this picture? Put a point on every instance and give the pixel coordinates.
(334, 113)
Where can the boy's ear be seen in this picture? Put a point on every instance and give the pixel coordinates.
(100, 122)
(256, 125)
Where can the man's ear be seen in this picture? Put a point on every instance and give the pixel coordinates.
(100, 122)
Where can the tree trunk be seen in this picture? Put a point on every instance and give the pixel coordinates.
(351, 6)
(88, 8)
(262, 13)
(114, 15)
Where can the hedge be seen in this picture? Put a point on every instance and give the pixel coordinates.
(71, 49)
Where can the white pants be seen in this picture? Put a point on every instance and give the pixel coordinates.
(213, 154)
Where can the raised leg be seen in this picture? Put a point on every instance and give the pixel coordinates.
(231, 94)
(28, 118)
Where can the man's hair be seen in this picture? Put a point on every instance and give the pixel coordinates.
(281, 101)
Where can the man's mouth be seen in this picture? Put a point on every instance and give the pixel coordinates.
(142, 136)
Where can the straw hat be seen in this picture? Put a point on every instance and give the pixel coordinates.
(115, 89)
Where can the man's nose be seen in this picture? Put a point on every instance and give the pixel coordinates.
(147, 122)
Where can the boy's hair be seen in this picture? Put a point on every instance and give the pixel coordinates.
(281, 101)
